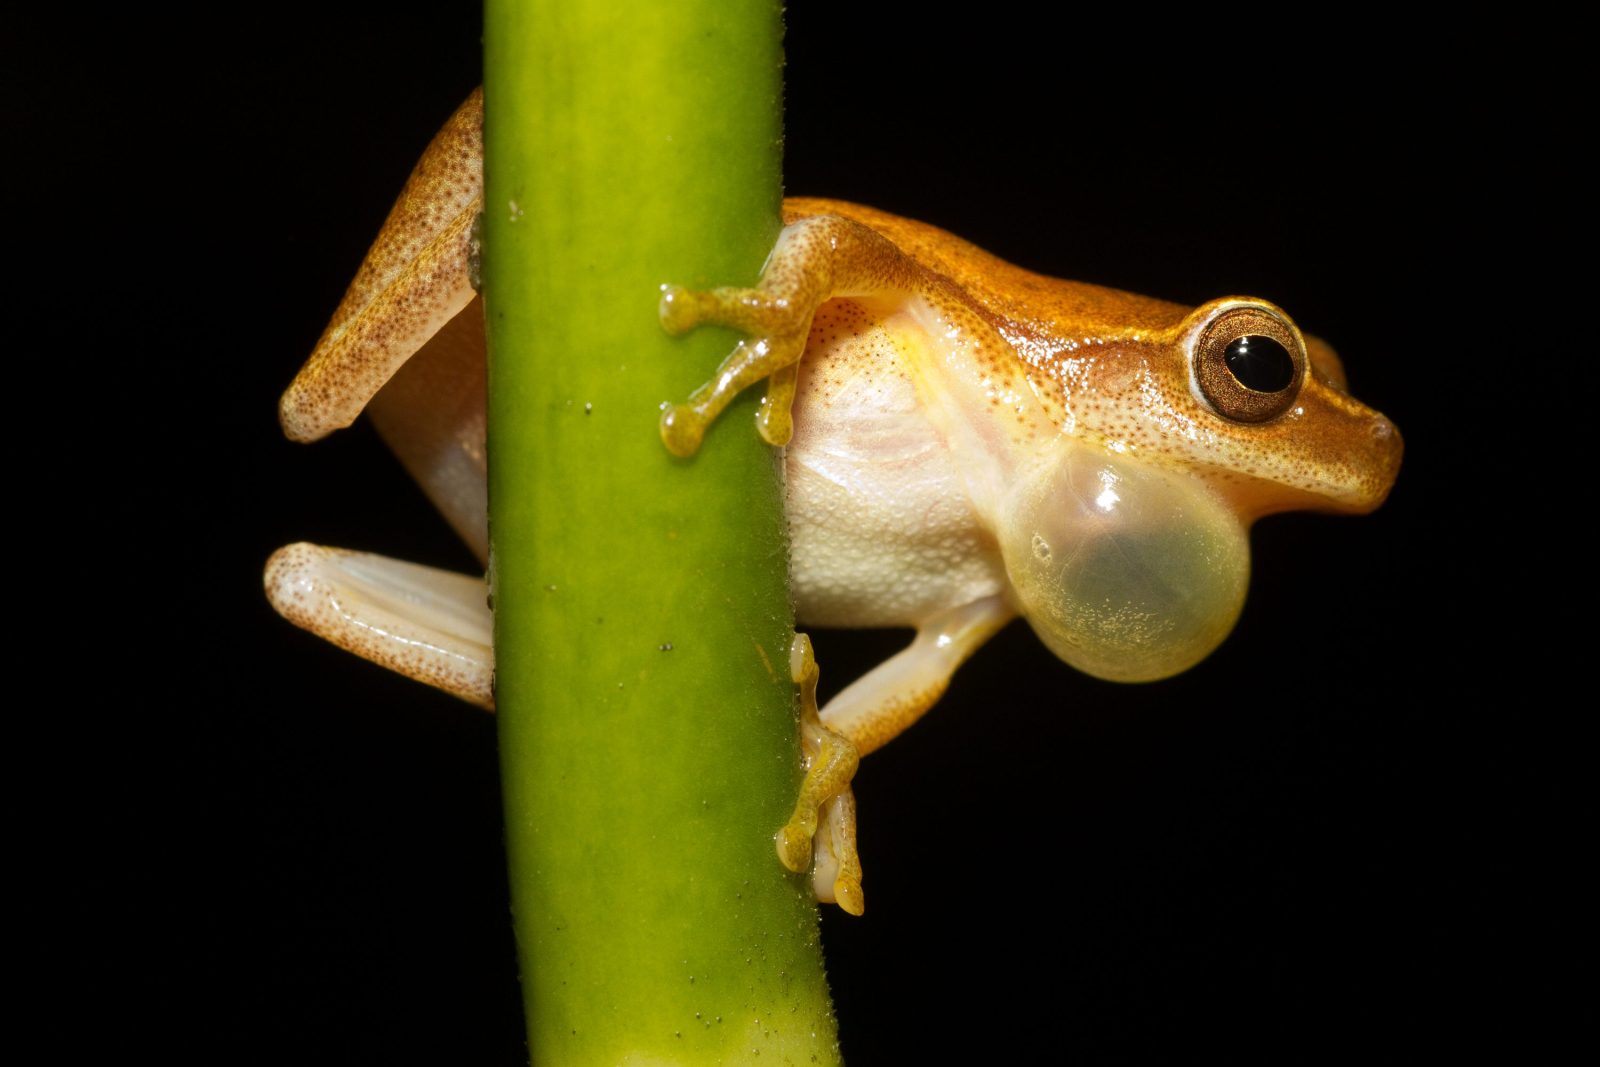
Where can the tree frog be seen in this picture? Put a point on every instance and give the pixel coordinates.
(965, 442)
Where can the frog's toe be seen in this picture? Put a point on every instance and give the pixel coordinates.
(836, 877)
(682, 428)
(794, 844)
(679, 309)
(775, 428)
(753, 311)
(850, 898)
(775, 417)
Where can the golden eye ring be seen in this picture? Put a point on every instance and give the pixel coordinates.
(1249, 364)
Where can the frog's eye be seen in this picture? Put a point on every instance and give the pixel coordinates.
(1249, 363)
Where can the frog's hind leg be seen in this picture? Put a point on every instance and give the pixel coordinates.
(871, 711)
(431, 414)
(415, 278)
(428, 624)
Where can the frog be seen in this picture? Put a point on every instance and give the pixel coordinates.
(965, 442)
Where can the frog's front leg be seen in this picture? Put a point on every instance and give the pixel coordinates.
(881, 704)
(815, 260)
(870, 712)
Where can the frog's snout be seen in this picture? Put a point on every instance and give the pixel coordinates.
(1384, 448)
(1343, 453)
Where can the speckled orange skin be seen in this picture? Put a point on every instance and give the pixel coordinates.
(411, 283)
(1113, 368)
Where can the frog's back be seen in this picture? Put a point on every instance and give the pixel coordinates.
(1051, 307)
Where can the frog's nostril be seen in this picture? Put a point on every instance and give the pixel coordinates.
(1388, 448)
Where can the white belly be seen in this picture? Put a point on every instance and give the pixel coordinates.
(880, 523)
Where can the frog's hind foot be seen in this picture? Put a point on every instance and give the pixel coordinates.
(821, 834)
(428, 624)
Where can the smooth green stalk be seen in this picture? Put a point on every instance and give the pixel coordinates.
(642, 618)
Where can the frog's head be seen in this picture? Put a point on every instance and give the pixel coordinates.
(1127, 541)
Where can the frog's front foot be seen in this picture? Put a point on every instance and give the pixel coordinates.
(776, 326)
(821, 834)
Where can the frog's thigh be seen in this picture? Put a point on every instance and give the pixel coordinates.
(427, 624)
(880, 704)
(414, 280)
(431, 415)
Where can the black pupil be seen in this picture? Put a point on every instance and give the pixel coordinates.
(1260, 363)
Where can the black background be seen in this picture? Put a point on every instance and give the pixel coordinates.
(1330, 838)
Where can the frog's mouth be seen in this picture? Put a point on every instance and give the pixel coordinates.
(1126, 571)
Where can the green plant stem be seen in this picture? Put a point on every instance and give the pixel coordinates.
(642, 619)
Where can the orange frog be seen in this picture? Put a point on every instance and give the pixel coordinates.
(965, 442)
